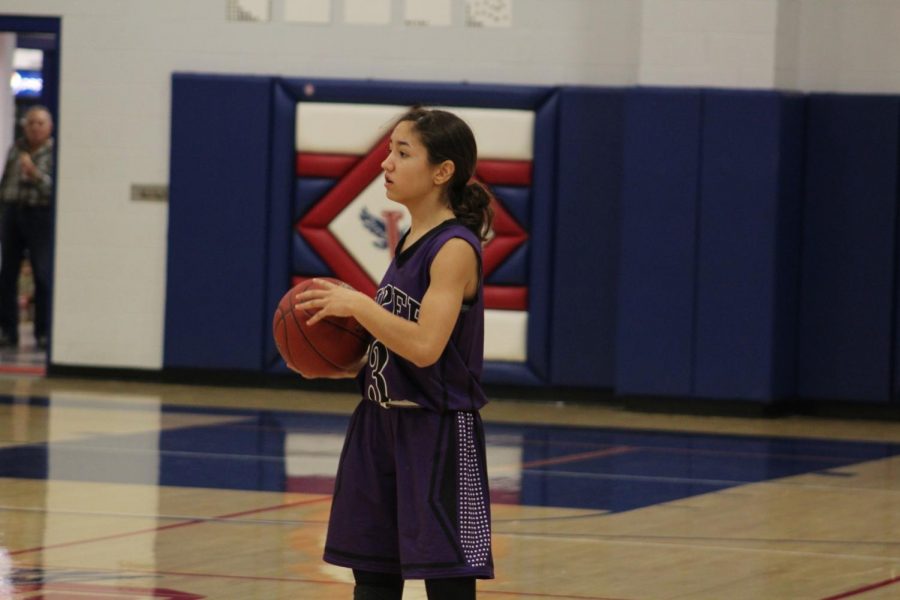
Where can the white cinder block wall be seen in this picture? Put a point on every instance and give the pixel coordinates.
(118, 57)
(787, 44)
(709, 43)
(849, 46)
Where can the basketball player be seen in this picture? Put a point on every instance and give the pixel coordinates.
(411, 495)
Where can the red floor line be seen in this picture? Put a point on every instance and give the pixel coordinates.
(865, 588)
(514, 593)
(189, 574)
(271, 508)
(615, 450)
(165, 527)
(542, 595)
(22, 369)
(518, 594)
(243, 577)
(107, 591)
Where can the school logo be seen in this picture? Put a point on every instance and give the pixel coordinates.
(368, 228)
(385, 230)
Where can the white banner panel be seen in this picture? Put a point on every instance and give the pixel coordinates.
(505, 335)
(337, 128)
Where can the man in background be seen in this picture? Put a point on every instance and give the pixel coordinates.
(26, 224)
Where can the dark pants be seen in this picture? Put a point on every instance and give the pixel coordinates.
(24, 228)
(389, 586)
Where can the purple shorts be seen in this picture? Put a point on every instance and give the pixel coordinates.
(411, 495)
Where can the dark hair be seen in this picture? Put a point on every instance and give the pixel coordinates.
(447, 137)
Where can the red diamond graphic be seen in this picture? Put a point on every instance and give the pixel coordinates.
(507, 236)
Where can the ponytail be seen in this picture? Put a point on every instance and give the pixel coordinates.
(447, 137)
(472, 206)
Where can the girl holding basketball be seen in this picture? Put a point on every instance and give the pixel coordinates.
(411, 495)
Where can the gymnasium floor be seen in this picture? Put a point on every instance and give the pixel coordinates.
(27, 358)
(116, 490)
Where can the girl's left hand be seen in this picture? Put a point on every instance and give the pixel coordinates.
(328, 300)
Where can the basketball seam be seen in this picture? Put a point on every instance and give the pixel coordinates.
(351, 331)
(313, 346)
(287, 345)
(326, 365)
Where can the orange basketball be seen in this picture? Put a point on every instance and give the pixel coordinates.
(333, 347)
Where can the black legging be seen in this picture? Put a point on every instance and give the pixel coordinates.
(385, 586)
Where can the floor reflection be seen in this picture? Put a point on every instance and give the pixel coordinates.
(145, 442)
(26, 358)
(6, 588)
(127, 491)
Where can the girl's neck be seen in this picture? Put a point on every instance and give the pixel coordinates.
(425, 221)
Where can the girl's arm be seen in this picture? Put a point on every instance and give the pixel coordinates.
(454, 276)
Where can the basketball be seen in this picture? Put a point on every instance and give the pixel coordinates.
(333, 347)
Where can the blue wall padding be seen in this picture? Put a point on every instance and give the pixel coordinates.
(407, 93)
(306, 261)
(218, 218)
(308, 191)
(849, 248)
(742, 251)
(591, 129)
(540, 293)
(690, 243)
(654, 338)
(789, 243)
(517, 202)
(281, 212)
(514, 270)
(496, 371)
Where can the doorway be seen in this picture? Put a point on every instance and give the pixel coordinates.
(30, 57)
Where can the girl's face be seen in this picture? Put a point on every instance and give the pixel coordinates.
(408, 175)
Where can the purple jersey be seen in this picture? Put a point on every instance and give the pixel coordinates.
(411, 494)
(453, 382)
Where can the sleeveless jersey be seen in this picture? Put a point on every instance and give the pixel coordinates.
(454, 381)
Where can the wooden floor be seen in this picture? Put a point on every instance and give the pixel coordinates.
(117, 490)
(26, 358)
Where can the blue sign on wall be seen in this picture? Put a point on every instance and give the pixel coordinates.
(26, 84)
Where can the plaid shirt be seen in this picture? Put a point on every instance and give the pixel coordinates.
(16, 189)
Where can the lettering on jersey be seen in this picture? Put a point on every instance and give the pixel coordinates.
(383, 296)
(399, 303)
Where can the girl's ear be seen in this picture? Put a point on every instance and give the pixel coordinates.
(444, 172)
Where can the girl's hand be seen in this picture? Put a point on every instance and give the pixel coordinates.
(328, 300)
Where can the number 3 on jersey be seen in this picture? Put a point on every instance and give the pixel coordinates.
(376, 389)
